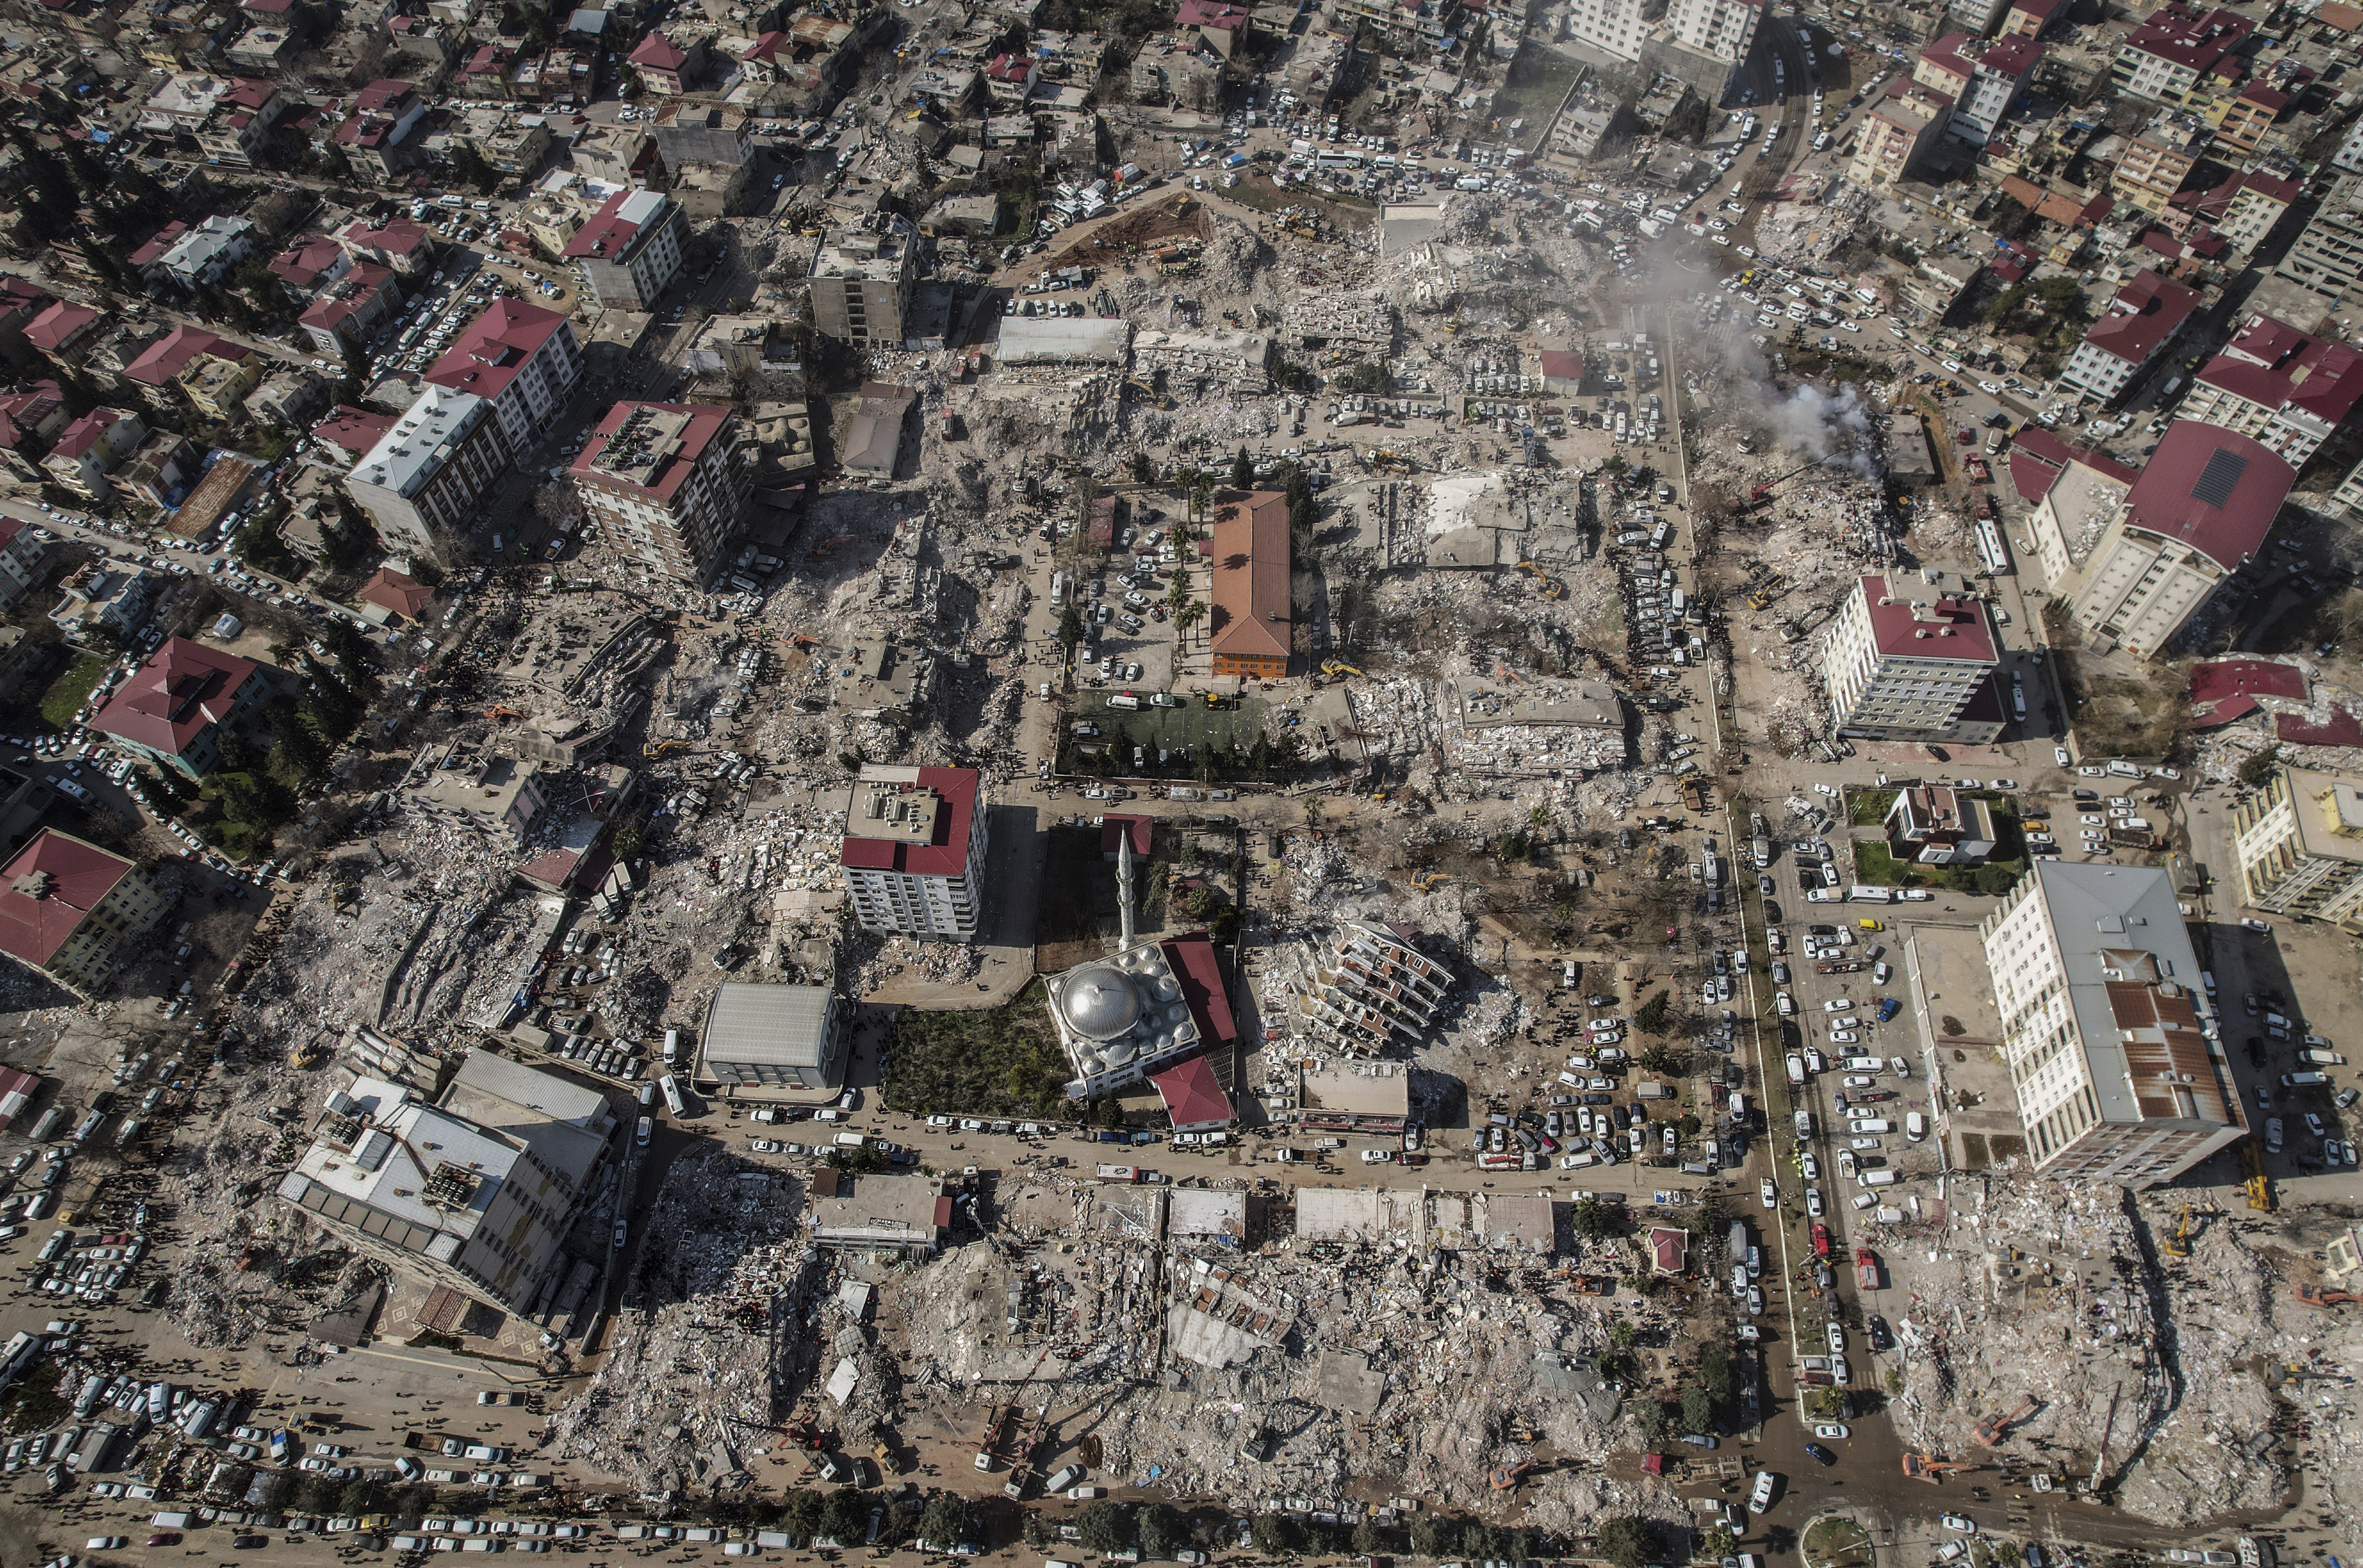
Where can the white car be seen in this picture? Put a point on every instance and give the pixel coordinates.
(1838, 1339)
(1957, 1524)
(1845, 1036)
(1813, 1201)
(1860, 1080)
(1841, 1005)
(1832, 1432)
(1769, 1194)
(1378, 1156)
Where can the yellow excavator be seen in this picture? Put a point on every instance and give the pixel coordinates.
(1390, 461)
(655, 749)
(1428, 881)
(1148, 392)
(1552, 586)
(2179, 1244)
(1333, 669)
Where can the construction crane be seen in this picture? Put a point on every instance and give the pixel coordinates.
(2315, 1295)
(1993, 1429)
(1756, 497)
(1928, 1467)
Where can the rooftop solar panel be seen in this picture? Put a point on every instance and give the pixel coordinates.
(2219, 478)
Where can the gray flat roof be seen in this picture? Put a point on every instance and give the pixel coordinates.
(776, 1026)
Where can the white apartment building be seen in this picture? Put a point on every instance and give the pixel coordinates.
(1613, 27)
(2299, 843)
(2106, 1029)
(2140, 322)
(2199, 510)
(1896, 668)
(2287, 390)
(913, 852)
(1723, 28)
(522, 359)
(628, 253)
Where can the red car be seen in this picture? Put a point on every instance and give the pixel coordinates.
(165, 1538)
(1821, 1240)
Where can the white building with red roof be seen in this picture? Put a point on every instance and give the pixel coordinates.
(629, 251)
(913, 857)
(2200, 512)
(310, 264)
(519, 358)
(2141, 321)
(2287, 389)
(72, 910)
(173, 710)
(87, 451)
(408, 248)
(351, 308)
(345, 436)
(1901, 668)
(666, 481)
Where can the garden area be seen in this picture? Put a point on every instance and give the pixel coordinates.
(1837, 1541)
(67, 693)
(1004, 1062)
(1876, 866)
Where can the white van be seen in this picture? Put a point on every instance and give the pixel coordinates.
(1877, 1178)
(1916, 1125)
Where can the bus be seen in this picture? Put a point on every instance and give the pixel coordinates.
(670, 1087)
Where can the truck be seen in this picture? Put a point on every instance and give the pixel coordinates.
(1866, 1268)
(1653, 1090)
(1119, 1173)
(1859, 894)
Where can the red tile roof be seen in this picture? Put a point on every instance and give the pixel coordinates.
(1115, 824)
(354, 429)
(2341, 728)
(2251, 478)
(1670, 1249)
(1214, 14)
(162, 240)
(2217, 678)
(1946, 55)
(25, 413)
(1201, 974)
(1942, 628)
(1560, 364)
(658, 52)
(85, 433)
(946, 852)
(2145, 313)
(486, 356)
(50, 888)
(2274, 364)
(1192, 1098)
(303, 264)
(606, 232)
(2189, 36)
(170, 354)
(2038, 457)
(49, 330)
(2012, 56)
(394, 237)
(1251, 618)
(183, 688)
(403, 595)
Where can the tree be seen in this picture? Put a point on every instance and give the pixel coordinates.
(1622, 1334)
(1243, 470)
(1070, 628)
(1714, 1372)
(1995, 879)
(1144, 468)
(1368, 1538)
(1650, 1016)
(1715, 1545)
(2259, 765)
(1160, 1529)
(1106, 1526)
(1427, 1536)
(1627, 1542)
(1590, 1218)
(1698, 1410)
(357, 371)
(944, 1522)
(1277, 1535)
(843, 1517)
(1186, 619)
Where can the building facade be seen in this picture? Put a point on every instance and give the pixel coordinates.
(422, 480)
(174, 710)
(1897, 668)
(861, 286)
(2299, 843)
(75, 912)
(1723, 28)
(1897, 132)
(630, 251)
(522, 359)
(2282, 387)
(2105, 1027)
(476, 1191)
(912, 858)
(2141, 321)
(2199, 510)
(2328, 255)
(666, 479)
(775, 1037)
(1614, 28)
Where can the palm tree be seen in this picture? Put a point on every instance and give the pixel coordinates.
(1189, 615)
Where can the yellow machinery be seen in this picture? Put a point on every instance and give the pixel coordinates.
(1928, 1467)
(2260, 1184)
(1552, 586)
(1147, 391)
(1394, 462)
(1333, 669)
(1428, 881)
(2179, 1244)
(659, 748)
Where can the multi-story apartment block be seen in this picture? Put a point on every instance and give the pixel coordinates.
(2248, 207)
(2076, 492)
(175, 708)
(1723, 28)
(522, 359)
(476, 1191)
(2105, 1027)
(2298, 844)
(2243, 123)
(2328, 255)
(2181, 54)
(861, 285)
(666, 479)
(75, 912)
(2154, 164)
(2199, 510)
(2140, 322)
(1898, 131)
(1615, 28)
(629, 253)
(913, 853)
(425, 475)
(2289, 391)
(87, 450)
(1997, 77)
(1406, 21)
(1899, 669)
(351, 308)
(23, 554)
